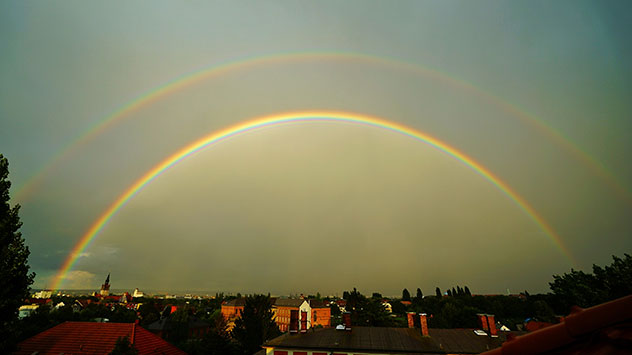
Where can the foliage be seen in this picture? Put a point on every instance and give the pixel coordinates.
(256, 324)
(179, 325)
(405, 295)
(217, 341)
(148, 313)
(15, 279)
(367, 311)
(438, 292)
(124, 347)
(420, 294)
(586, 290)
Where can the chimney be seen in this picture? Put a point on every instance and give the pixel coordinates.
(482, 320)
(492, 325)
(411, 320)
(424, 324)
(293, 321)
(303, 322)
(346, 319)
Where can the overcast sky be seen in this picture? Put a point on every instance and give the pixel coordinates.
(321, 206)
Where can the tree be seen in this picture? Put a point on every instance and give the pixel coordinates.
(256, 324)
(123, 347)
(586, 290)
(15, 279)
(405, 295)
(467, 291)
(420, 294)
(438, 292)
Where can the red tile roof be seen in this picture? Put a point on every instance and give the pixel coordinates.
(84, 338)
(602, 329)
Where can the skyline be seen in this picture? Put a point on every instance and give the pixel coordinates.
(537, 94)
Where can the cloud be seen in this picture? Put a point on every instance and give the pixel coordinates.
(79, 279)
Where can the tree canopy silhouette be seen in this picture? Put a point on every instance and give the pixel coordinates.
(15, 279)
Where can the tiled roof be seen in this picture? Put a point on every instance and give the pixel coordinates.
(383, 339)
(318, 304)
(602, 329)
(237, 302)
(288, 302)
(83, 338)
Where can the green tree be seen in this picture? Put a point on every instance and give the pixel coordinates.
(438, 292)
(405, 295)
(123, 347)
(586, 290)
(148, 314)
(256, 324)
(15, 279)
(420, 294)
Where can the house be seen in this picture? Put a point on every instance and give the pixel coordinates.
(288, 310)
(233, 308)
(306, 313)
(345, 339)
(82, 338)
(602, 329)
(321, 313)
(138, 293)
(26, 310)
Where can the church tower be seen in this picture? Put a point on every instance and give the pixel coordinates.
(105, 288)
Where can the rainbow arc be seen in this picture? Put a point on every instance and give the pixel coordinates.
(295, 118)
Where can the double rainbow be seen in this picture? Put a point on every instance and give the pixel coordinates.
(185, 81)
(293, 118)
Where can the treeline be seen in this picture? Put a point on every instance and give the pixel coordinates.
(457, 308)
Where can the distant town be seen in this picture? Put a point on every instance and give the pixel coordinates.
(455, 321)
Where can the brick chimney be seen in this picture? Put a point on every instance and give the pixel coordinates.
(488, 323)
(293, 321)
(492, 325)
(482, 320)
(411, 320)
(423, 321)
(303, 322)
(346, 319)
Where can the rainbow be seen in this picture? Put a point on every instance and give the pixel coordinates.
(292, 118)
(184, 81)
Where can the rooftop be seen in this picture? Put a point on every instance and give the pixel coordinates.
(93, 338)
(401, 340)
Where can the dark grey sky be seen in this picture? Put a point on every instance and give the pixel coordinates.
(321, 207)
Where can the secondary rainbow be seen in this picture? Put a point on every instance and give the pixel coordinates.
(290, 118)
(190, 79)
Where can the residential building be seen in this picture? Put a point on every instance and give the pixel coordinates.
(287, 310)
(321, 313)
(307, 313)
(345, 339)
(43, 294)
(26, 310)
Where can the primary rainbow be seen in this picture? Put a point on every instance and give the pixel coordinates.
(289, 118)
(184, 81)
